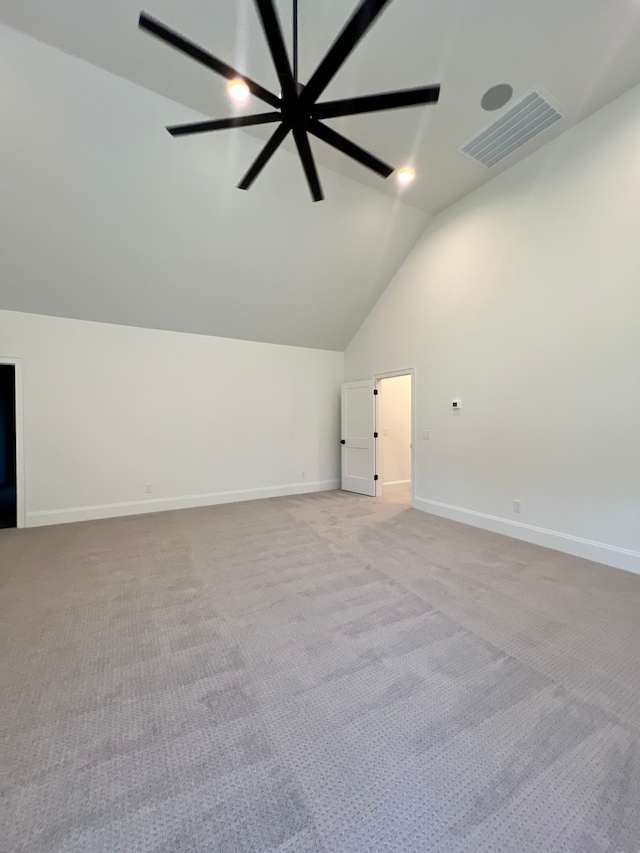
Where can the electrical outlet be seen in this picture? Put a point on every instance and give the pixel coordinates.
(517, 506)
(148, 488)
(303, 474)
(426, 435)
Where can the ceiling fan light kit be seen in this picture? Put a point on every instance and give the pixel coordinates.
(296, 109)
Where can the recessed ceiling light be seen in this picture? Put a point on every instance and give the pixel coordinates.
(496, 97)
(406, 175)
(238, 90)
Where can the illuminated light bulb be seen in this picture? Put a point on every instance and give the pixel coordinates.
(238, 90)
(406, 175)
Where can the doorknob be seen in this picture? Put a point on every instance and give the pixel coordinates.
(342, 441)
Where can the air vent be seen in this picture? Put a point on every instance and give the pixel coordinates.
(526, 119)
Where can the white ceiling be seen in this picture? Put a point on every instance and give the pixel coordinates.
(583, 53)
(104, 218)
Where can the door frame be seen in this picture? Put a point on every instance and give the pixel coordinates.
(20, 464)
(377, 377)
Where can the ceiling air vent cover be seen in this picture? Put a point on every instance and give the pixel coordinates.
(526, 119)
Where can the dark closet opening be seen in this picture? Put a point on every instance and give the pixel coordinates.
(8, 503)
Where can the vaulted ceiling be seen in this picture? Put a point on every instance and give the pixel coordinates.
(583, 53)
(114, 220)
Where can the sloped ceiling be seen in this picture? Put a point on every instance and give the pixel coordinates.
(105, 216)
(583, 53)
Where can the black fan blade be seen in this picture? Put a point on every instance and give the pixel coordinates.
(223, 124)
(168, 36)
(273, 33)
(360, 22)
(374, 103)
(264, 156)
(308, 163)
(328, 135)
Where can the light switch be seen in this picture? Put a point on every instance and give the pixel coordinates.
(426, 435)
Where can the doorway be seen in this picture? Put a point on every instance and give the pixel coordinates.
(8, 448)
(394, 457)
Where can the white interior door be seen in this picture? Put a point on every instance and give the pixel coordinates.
(358, 448)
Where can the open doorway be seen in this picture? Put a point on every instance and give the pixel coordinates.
(8, 467)
(394, 458)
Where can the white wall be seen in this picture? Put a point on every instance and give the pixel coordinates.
(523, 300)
(394, 431)
(205, 420)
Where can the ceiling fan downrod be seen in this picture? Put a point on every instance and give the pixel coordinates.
(295, 43)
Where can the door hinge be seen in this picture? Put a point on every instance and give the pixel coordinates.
(375, 476)
(375, 435)
(375, 392)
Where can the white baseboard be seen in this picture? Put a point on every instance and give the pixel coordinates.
(115, 510)
(599, 552)
(396, 485)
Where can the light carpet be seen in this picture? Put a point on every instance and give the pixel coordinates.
(316, 674)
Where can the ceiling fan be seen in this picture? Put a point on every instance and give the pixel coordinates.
(296, 109)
